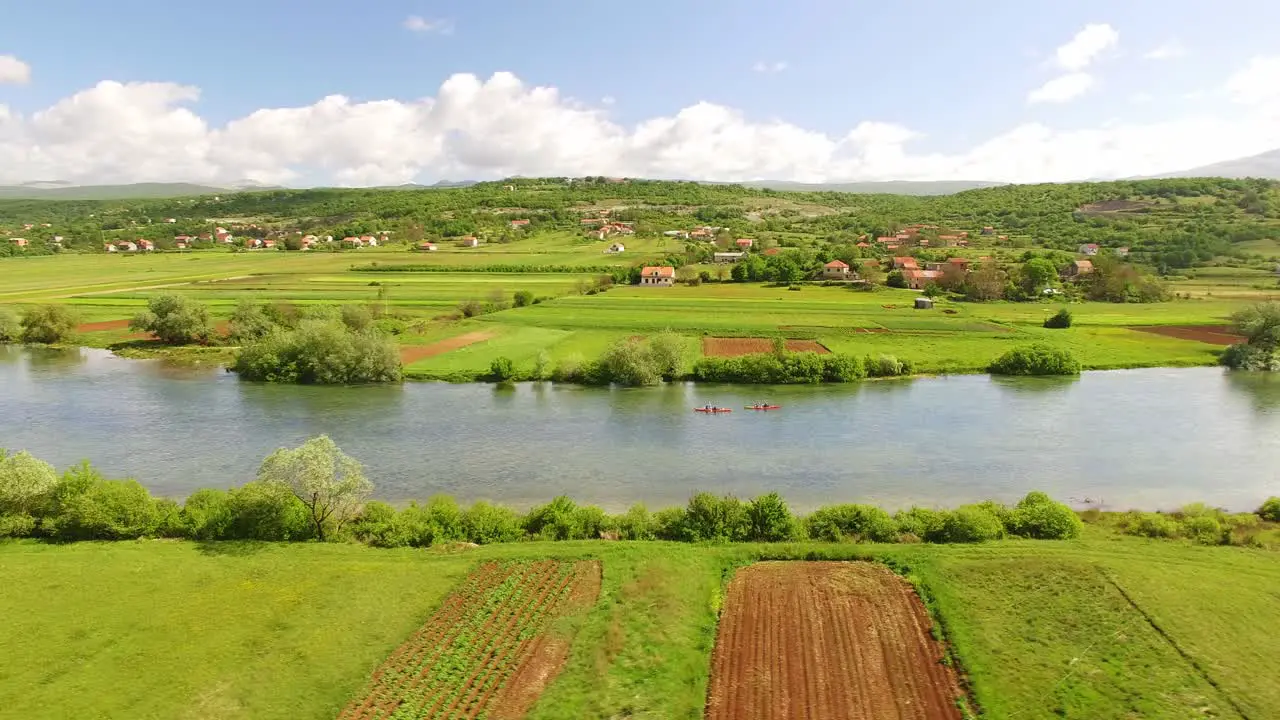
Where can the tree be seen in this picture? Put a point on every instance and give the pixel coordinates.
(1037, 274)
(1260, 326)
(985, 283)
(896, 279)
(357, 318)
(10, 327)
(48, 324)
(26, 482)
(175, 320)
(1059, 320)
(330, 483)
(249, 322)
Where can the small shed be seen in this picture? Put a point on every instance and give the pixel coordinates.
(924, 303)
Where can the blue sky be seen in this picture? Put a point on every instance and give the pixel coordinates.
(956, 73)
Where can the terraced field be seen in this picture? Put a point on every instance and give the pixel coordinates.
(488, 652)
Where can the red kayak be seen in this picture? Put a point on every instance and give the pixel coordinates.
(712, 410)
(763, 407)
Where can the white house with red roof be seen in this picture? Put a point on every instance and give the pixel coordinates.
(836, 270)
(519, 224)
(146, 245)
(744, 243)
(658, 275)
(1089, 249)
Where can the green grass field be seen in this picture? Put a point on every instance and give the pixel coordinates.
(568, 326)
(1103, 627)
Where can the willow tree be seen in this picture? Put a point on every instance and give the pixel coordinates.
(330, 483)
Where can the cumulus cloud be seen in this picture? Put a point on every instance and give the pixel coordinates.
(1087, 45)
(14, 71)
(769, 67)
(480, 128)
(1062, 88)
(419, 24)
(1168, 51)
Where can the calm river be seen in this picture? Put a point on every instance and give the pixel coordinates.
(1139, 438)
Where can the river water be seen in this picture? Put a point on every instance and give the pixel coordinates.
(1138, 438)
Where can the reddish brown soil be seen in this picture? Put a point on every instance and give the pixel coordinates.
(421, 352)
(103, 325)
(1212, 334)
(501, 667)
(827, 640)
(733, 347)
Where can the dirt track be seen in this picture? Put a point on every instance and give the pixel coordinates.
(733, 347)
(1211, 334)
(421, 352)
(827, 640)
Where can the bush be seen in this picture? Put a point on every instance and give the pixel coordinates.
(852, 522)
(669, 523)
(249, 322)
(108, 510)
(779, 368)
(48, 324)
(1270, 510)
(557, 520)
(1204, 529)
(27, 484)
(970, 524)
(896, 279)
(379, 525)
(17, 526)
(769, 519)
(318, 352)
(485, 523)
(174, 320)
(207, 515)
(357, 318)
(1243, 356)
(502, 369)
(1038, 516)
(1060, 320)
(1035, 360)
(268, 511)
(10, 326)
(522, 298)
(636, 524)
(886, 366)
(709, 518)
(1149, 524)
(923, 523)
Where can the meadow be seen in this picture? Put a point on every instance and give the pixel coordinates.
(1101, 627)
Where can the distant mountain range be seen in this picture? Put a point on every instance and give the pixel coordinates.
(1263, 165)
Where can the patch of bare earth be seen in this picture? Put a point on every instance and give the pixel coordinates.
(1211, 334)
(103, 325)
(415, 353)
(733, 347)
(827, 640)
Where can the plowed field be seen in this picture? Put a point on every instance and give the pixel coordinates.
(827, 640)
(487, 652)
(415, 353)
(733, 347)
(1212, 334)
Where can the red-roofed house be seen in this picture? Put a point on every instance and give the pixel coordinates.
(20, 242)
(905, 263)
(836, 270)
(471, 241)
(962, 263)
(427, 246)
(369, 240)
(268, 243)
(1089, 249)
(663, 275)
(917, 279)
(887, 239)
(252, 243)
(744, 243)
(146, 245)
(352, 240)
(517, 224)
(864, 245)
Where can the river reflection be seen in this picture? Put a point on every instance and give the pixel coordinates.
(1143, 438)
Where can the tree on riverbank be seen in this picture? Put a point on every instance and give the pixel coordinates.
(1260, 326)
(48, 324)
(10, 326)
(330, 483)
(174, 320)
(320, 353)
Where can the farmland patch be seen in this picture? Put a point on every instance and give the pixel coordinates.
(489, 651)
(827, 639)
(1211, 334)
(733, 347)
(415, 353)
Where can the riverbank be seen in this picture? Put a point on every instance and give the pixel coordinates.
(1132, 625)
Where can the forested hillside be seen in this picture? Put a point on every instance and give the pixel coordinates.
(1172, 222)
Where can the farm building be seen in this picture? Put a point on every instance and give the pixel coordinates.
(427, 246)
(519, 224)
(20, 242)
(126, 246)
(268, 243)
(1089, 249)
(109, 247)
(924, 303)
(616, 248)
(255, 243)
(662, 275)
(146, 245)
(1077, 268)
(905, 263)
(744, 243)
(728, 257)
(988, 230)
(676, 234)
(917, 279)
(471, 241)
(369, 240)
(352, 241)
(961, 263)
(836, 270)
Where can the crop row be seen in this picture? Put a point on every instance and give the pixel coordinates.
(457, 664)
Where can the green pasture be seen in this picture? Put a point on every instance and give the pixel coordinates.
(1100, 628)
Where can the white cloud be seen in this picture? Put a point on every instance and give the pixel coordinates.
(1087, 44)
(14, 71)
(419, 24)
(499, 126)
(769, 68)
(1062, 88)
(1141, 98)
(608, 100)
(1168, 51)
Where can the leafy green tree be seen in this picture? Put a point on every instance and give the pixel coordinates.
(502, 369)
(48, 324)
(1260, 326)
(10, 326)
(175, 320)
(769, 519)
(1039, 516)
(328, 482)
(708, 517)
(321, 353)
(896, 279)
(26, 483)
(107, 510)
(1059, 320)
(1270, 510)
(1037, 274)
(249, 322)
(522, 298)
(357, 318)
